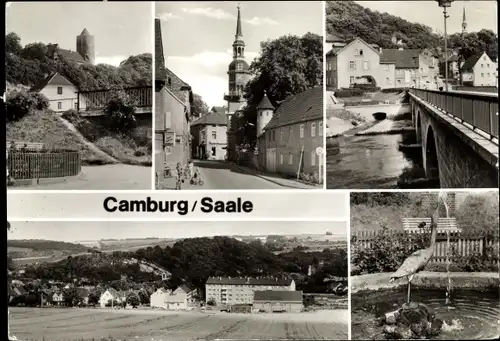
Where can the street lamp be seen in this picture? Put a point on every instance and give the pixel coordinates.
(445, 4)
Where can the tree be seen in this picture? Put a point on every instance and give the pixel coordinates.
(120, 110)
(94, 298)
(13, 43)
(478, 214)
(133, 299)
(199, 107)
(35, 51)
(143, 298)
(72, 297)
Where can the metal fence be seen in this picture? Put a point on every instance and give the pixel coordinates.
(478, 110)
(39, 164)
(465, 244)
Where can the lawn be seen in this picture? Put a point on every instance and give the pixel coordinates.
(70, 324)
(45, 127)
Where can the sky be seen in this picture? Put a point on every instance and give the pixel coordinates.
(120, 29)
(81, 231)
(480, 14)
(198, 36)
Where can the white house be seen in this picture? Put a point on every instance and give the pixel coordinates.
(111, 295)
(479, 70)
(58, 298)
(158, 298)
(61, 93)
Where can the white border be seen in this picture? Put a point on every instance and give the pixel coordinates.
(324, 94)
(153, 94)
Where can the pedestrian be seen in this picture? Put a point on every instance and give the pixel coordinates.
(191, 169)
(178, 182)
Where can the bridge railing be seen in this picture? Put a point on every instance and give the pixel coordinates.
(478, 110)
(97, 99)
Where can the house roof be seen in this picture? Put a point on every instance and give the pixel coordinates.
(336, 49)
(302, 107)
(249, 281)
(163, 290)
(70, 55)
(54, 79)
(220, 110)
(213, 118)
(175, 298)
(404, 59)
(85, 32)
(160, 72)
(265, 103)
(271, 295)
(471, 62)
(185, 288)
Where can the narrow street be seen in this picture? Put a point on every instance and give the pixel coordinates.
(222, 175)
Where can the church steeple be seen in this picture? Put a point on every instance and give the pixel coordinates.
(239, 34)
(464, 23)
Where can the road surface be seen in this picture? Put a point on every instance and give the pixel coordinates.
(221, 175)
(107, 177)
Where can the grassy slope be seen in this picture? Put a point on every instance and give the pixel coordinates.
(123, 148)
(45, 127)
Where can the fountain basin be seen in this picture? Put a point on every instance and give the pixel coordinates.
(473, 311)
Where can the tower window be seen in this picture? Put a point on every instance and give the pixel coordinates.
(239, 66)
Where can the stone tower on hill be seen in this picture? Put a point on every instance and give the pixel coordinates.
(85, 46)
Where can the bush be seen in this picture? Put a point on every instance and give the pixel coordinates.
(386, 90)
(387, 251)
(40, 102)
(19, 104)
(121, 113)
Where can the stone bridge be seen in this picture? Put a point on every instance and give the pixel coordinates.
(458, 133)
(92, 103)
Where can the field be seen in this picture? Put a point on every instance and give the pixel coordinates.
(95, 324)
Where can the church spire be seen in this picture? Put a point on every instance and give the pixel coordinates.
(464, 22)
(238, 25)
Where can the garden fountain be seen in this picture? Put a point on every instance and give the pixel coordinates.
(427, 313)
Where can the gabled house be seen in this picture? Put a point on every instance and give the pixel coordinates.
(111, 295)
(345, 63)
(158, 298)
(61, 93)
(289, 141)
(210, 136)
(479, 70)
(271, 301)
(58, 298)
(181, 298)
(173, 101)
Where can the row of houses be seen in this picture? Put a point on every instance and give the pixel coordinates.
(261, 294)
(355, 61)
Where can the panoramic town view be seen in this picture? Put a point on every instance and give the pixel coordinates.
(424, 265)
(79, 98)
(229, 115)
(142, 281)
(412, 94)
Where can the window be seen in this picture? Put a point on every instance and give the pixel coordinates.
(290, 159)
(488, 74)
(320, 128)
(352, 65)
(59, 90)
(327, 80)
(281, 134)
(281, 159)
(290, 133)
(399, 81)
(239, 66)
(313, 158)
(482, 65)
(361, 52)
(482, 74)
(301, 131)
(214, 135)
(76, 105)
(59, 105)
(365, 65)
(214, 151)
(488, 65)
(313, 129)
(351, 80)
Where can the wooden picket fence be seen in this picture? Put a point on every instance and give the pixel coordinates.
(464, 244)
(39, 164)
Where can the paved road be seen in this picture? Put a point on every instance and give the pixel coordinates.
(107, 177)
(220, 175)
